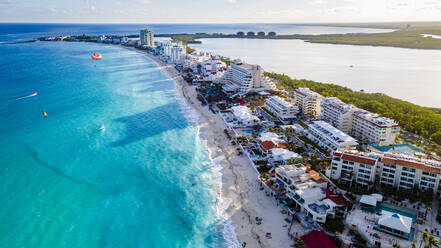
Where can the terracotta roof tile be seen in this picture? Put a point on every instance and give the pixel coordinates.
(357, 159)
(411, 164)
(268, 145)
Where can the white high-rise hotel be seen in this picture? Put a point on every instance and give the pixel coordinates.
(308, 101)
(146, 37)
(281, 108)
(243, 78)
(361, 124)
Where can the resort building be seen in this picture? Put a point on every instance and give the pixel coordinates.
(101, 39)
(146, 37)
(211, 69)
(243, 116)
(124, 39)
(330, 138)
(337, 113)
(307, 190)
(178, 52)
(386, 169)
(372, 128)
(195, 58)
(348, 167)
(282, 155)
(281, 108)
(308, 101)
(395, 224)
(242, 78)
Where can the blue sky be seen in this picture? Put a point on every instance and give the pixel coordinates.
(218, 11)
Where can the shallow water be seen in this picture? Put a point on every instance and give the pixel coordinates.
(116, 163)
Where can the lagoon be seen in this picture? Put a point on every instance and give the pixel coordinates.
(409, 74)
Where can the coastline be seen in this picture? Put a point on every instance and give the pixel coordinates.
(238, 193)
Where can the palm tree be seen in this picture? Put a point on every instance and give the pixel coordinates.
(432, 242)
(396, 246)
(425, 236)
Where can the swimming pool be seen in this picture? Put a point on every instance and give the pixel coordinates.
(405, 148)
(408, 212)
(250, 131)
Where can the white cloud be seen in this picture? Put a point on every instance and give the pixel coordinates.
(231, 1)
(317, 2)
(93, 8)
(144, 1)
(6, 2)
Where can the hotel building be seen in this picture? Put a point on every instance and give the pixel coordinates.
(281, 108)
(308, 190)
(147, 37)
(308, 101)
(337, 113)
(386, 169)
(330, 138)
(361, 124)
(242, 78)
(372, 128)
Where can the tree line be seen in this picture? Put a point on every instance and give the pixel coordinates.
(423, 121)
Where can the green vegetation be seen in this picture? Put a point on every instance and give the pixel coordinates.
(334, 225)
(308, 141)
(414, 118)
(407, 38)
(405, 35)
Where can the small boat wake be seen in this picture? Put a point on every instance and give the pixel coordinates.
(24, 97)
(102, 128)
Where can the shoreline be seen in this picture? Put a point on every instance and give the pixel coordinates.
(239, 188)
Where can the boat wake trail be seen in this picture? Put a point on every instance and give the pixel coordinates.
(24, 97)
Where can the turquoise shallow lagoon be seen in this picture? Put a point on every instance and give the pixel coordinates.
(116, 163)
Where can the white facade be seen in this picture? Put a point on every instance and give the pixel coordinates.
(398, 171)
(210, 69)
(337, 113)
(178, 52)
(244, 116)
(361, 124)
(146, 37)
(243, 78)
(281, 108)
(308, 102)
(124, 39)
(194, 58)
(330, 138)
(306, 192)
(372, 128)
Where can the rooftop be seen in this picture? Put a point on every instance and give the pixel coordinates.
(395, 221)
(280, 154)
(375, 119)
(331, 132)
(280, 101)
(307, 92)
(317, 239)
(338, 104)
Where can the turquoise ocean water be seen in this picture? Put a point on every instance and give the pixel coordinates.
(116, 163)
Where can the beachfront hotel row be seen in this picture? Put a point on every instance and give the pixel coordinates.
(337, 131)
(280, 131)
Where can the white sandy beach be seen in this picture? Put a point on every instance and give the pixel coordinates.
(239, 180)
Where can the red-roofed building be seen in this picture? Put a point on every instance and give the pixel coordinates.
(268, 145)
(387, 168)
(317, 239)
